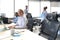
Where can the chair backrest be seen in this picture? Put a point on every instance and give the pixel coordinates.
(50, 27)
(30, 19)
(29, 15)
(52, 17)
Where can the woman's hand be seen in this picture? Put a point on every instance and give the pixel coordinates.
(11, 27)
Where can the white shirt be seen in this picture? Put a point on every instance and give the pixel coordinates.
(26, 11)
(20, 22)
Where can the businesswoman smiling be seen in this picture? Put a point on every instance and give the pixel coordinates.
(19, 21)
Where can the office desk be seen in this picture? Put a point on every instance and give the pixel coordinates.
(24, 35)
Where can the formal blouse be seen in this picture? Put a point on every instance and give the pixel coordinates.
(20, 22)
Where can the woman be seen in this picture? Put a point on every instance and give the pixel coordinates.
(44, 14)
(19, 20)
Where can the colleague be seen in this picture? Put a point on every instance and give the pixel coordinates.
(44, 14)
(16, 14)
(15, 17)
(25, 13)
(19, 20)
(26, 9)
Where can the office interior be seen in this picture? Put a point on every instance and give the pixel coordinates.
(35, 8)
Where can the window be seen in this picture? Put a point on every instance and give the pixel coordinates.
(7, 7)
(20, 4)
(45, 3)
(34, 8)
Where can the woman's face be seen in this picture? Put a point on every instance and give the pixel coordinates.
(20, 13)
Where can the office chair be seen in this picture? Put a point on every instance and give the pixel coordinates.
(4, 19)
(30, 21)
(50, 27)
(52, 17)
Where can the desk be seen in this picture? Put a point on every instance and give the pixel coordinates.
(4, 34)
(24, 35)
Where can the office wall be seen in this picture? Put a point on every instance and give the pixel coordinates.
(55, 4)
(55, 7)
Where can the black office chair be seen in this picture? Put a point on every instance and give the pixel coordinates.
(50, 27)
(52, 17)
(37, 22)
(30, 21)
(28, 15)
(5, 20)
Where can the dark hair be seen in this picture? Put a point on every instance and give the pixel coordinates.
(26, 6)
(16, 14)
(45, 8)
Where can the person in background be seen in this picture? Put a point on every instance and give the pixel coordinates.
(16, 14)
(19, 20)
(26, 10)
(25, 13)
(44, 14)
(14, 19)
